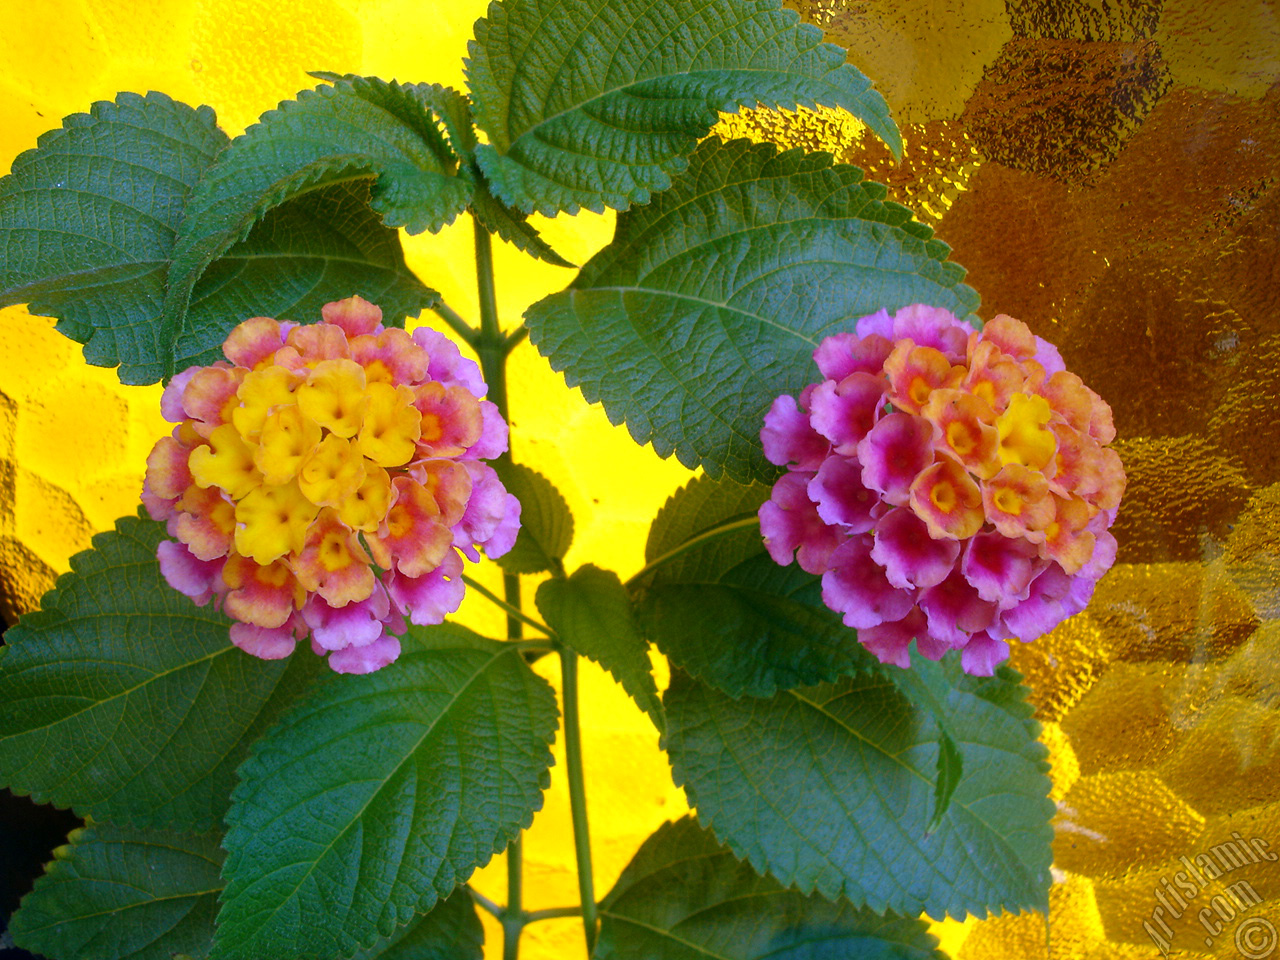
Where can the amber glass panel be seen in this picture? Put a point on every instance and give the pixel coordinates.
(1109, 172)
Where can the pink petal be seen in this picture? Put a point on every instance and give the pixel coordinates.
(198, 579)
(955, 611)
(845, 353)
(891, 641)
(366, 659)
(355, 625)
(840, 496)
(791, 527)
(878, 323)
(493, 434)
(844, 412)
(932, 327)
(788, 438)
(1047, 356)
(1001, 568)
(894, 453)
(447, 363)
(982, 654)
(491, 515)
(171, 406)
(268, 643)
(253, 341)
(354, 315)
(910, 557)
(428, 600)
(855, 585)
(1044, 608)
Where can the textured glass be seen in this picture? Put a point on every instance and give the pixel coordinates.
(1107, 170)
(1110, 173)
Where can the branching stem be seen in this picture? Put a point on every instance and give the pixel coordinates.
(511, 610)
(578, 794)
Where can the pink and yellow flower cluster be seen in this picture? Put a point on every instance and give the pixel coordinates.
(326, 482)
(950, 486)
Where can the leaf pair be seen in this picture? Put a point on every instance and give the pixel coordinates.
(363, 801)
(684, 897)
(133, 894)
(816, 763)
(96, 227)
(710, 300)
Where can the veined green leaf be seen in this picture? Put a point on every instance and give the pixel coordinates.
(597, 103)
(354, 129)
(591, 612)
(123, 700)
(131, 894)
(126, 894)
(927, 687)
(88, 221)
(320, 246)
(843, 806)
(546, 525)
(451, 931)
(710, 301)
(722, 610)
(379, 794)
(685, 897)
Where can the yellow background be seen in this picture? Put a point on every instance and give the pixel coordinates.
(1127, 209)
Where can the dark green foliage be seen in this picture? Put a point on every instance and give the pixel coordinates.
(685, 897)
(124, 700)
(710, 300)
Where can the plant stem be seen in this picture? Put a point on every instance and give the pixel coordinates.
(512, 917)
(459, 326)
(552, 913)
(512, 611)
(732, 525)
(490, 346)
(578, 794)
(485, 902)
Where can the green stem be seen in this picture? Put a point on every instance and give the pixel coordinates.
(455, 321)
(491, 347)
(552, 913)
(512, 611)
(578, 794)
(483, 901)
(513, 916)
(732, 525)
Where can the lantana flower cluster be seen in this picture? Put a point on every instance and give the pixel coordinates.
(327, 482)
(950, 486)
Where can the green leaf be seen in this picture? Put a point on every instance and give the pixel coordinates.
(451, 931)
(354, 129)
(591, 612)
(710, 301)
(126, 894)
(722, 610)
(88, 221)
(598, 103)
(927, 687)
(379, 794)
(125, 701)
(843, 805)
(546, 525)
(321, 246)
(132, 894)
(510, 225)
(685, 897)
